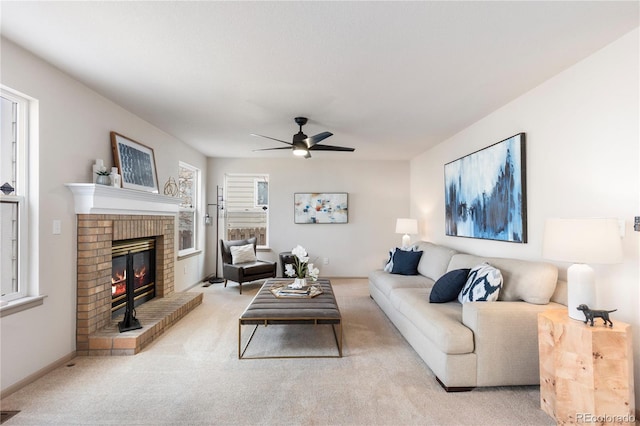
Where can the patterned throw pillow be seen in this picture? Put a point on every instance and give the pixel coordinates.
(242, 254)
(483, 285)
(389, 266)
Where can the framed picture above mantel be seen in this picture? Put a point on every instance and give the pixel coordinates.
(321, 207)
(485, 193)
(136, 163)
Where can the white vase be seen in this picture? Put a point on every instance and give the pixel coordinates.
(298, 283)
(103, 180)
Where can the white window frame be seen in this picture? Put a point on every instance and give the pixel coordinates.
(25, 195)
(194, 208)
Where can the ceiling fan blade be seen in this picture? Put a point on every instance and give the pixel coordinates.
(331, 148)
(271, 149)
(273, 139)
(312, 140)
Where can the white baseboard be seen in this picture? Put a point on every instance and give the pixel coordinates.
(35, 376)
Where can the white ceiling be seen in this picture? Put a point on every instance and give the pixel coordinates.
(390, 79)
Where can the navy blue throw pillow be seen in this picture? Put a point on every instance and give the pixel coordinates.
(449, 286)
(406, 262)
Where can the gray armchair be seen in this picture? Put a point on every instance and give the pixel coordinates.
(244, 272)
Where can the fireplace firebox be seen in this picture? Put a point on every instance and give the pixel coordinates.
(132, 278)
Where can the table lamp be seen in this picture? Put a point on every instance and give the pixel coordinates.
(406, 226)
(582, 241)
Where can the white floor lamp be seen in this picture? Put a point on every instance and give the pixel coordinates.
(582, 242)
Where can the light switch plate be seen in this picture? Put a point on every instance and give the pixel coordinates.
(57, 227)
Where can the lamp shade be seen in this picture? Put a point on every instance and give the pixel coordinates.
(594, 240)
(406, 226)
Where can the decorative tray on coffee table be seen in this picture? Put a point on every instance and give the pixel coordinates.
(284, 291)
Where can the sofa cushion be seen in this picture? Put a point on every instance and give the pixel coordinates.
(441, 323)
(448, 286)
(435, 259)
(533, 282)
(406, 262)
(483, 284)
(242, 254)
(386, 282)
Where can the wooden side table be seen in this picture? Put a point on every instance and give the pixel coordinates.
(586, 373)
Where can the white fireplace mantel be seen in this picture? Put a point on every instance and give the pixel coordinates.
(91, 198)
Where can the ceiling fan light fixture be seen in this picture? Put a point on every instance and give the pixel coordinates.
(300, 152)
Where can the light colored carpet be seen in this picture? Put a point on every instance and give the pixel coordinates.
(192, 376)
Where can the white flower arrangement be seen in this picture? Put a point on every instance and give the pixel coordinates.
(301, 267)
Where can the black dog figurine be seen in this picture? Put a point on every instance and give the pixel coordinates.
(591, 314)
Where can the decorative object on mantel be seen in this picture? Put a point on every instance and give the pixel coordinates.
(116, 180)
(136, 162)
(582, 241)
(98, 166)
(103, 178)
(485, 193)
(171, 187)
(301, 268)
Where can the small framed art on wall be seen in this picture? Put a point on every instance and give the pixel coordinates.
(321, 207)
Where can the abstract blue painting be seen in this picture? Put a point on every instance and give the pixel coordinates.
(485, 193)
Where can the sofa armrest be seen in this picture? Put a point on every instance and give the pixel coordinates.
(506, 340)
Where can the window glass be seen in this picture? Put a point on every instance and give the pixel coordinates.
(188, 187)
(247, 207)
(13, 217)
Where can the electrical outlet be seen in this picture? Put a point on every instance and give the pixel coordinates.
(621, 226)
(325, 260)
(185, 269)
(57, 227)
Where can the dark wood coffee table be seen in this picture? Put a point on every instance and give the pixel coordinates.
(266, 309)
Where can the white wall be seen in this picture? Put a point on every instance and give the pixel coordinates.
(378, 194)
(583, 160)
(74, 130)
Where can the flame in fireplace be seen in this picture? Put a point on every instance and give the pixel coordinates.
(119, 282)
(139, 274)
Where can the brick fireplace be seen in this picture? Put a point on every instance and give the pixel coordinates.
(97, 227)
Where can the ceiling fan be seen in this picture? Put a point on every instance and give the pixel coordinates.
(302, 144)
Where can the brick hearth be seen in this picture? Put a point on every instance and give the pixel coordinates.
(96, 332)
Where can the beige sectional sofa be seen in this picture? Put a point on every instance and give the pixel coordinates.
(477, 343)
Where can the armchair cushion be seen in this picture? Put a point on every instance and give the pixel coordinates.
(243, 254)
